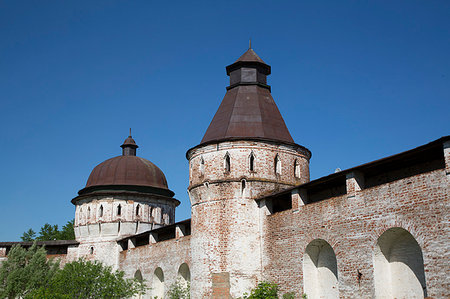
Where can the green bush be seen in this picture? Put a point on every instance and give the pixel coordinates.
(264, 290)
(290, 295)
(179, 290)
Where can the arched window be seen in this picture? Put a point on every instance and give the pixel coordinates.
(398, 266)
(158, 283)
(252, 162)
(320, 276)
(184, 275)
(91, 250)
(138, 210)
(277, 165)
(119, 210)
(296, 169)
(202, 166)
(100, 212)
(227, 163)
(138, 275)
(243, 185)
(89, 213)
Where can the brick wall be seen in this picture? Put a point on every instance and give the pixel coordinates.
(353, 222)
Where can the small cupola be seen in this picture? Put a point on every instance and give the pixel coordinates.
(249, 69)
(129, 146)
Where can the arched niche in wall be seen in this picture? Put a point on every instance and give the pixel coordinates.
(158, 283)
(398, 266)
(138, 275)
(184, 274)
(320, 275)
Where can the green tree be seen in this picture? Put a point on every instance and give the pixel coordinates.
(264, 290)
(51, 232)
(24, 271)
(179, 290)
(67, 232)
(48, 232)
(29, 235)
(85, 279)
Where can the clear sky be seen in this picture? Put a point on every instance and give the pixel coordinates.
(354, 80)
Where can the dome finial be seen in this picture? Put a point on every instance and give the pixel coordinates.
(129, 146)
(250, 43)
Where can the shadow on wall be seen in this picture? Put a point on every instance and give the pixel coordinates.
(398, 266)
(320, 274)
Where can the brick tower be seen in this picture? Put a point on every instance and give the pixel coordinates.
(246, 152)
(124, 195)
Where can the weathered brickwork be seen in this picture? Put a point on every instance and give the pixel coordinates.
(168, 255)
(352, 226)
(225, 236)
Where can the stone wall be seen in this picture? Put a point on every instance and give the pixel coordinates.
(352, 224)
(165, 256)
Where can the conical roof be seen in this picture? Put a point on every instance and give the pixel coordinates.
(248, 109)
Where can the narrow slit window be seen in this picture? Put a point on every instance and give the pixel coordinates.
(202, 166)
(227, 163)
(137, 210)
(89, 213)
(252, 162)
(101, 211)
(296, 169)
(277, 165)
(119, 210)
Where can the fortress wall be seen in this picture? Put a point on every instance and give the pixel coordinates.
(352, 224)
(168, 255)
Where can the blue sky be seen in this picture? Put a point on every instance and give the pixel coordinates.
(354, 80)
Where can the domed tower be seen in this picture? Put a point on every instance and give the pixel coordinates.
(124, 195)
(246, 152)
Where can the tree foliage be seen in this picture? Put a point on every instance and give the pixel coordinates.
(179, 290)
(264, 290)
(28, 274)
(24, 271)
(51, 232)
(86, 279)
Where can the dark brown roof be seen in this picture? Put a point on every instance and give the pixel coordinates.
(127, 173)
(248, 109)
(127, 170)
(250, 55)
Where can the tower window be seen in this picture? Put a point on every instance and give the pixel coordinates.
(243, 183)
(89, 213)
(137, 210)
(101, 211)
(202, 166)
(119, 210)
(252, 162)
(227, 163)
(296, 169)
(277, 165)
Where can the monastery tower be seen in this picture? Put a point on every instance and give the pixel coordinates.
(246, 152)
(124, 196)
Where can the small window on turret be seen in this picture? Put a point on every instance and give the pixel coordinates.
(101, 211)
(252, 162)
(119, 210)
(89, 214)
(202, 166)
(138, 210)
(277, 164)
(227, 163)
(296, 169)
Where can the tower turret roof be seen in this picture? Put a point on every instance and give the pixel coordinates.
(248, 109)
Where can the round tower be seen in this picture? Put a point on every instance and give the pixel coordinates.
(124, 195)
(247, 152)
